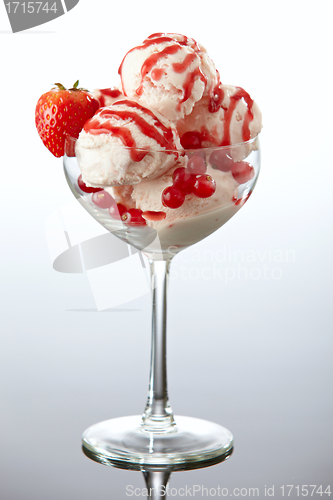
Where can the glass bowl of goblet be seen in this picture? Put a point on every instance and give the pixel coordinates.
(214, 184)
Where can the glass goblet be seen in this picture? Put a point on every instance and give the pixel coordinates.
(157, 438)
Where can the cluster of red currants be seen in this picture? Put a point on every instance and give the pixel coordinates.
(190, 179)
(194, 179)
(102, 199)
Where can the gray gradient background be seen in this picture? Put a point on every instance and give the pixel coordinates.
(255, 353)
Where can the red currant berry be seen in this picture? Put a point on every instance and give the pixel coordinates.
(133, 217)
(196, 165)
(173, 197)
(204, 186)
(102, 199)
(86, 189)
(219, 159)
(242, 172)
(117, 210)
(183, 180)
(191, 140)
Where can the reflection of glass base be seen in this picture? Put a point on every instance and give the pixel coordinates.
(123, 441)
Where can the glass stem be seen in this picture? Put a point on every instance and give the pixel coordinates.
(156, 483)
(158, 415)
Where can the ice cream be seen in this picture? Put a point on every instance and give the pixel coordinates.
(169, 72)
(154, 146)
(103, 159)
(236, 120)
(146, 196)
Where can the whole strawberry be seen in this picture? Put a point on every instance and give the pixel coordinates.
(61, 112)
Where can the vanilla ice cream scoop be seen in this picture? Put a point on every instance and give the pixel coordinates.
(126, 143)
(170, 73)
(237, 119)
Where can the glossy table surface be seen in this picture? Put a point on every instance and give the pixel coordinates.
(249, 354)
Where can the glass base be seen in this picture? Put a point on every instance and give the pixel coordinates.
(124, 441)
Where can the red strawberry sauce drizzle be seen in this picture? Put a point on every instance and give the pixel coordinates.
(189, 83)
(237, 96)
(153, 216)
(150, 62)
(182, 66)
(242, 200)
(114, 93)
(100, 124)
(157, 74)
